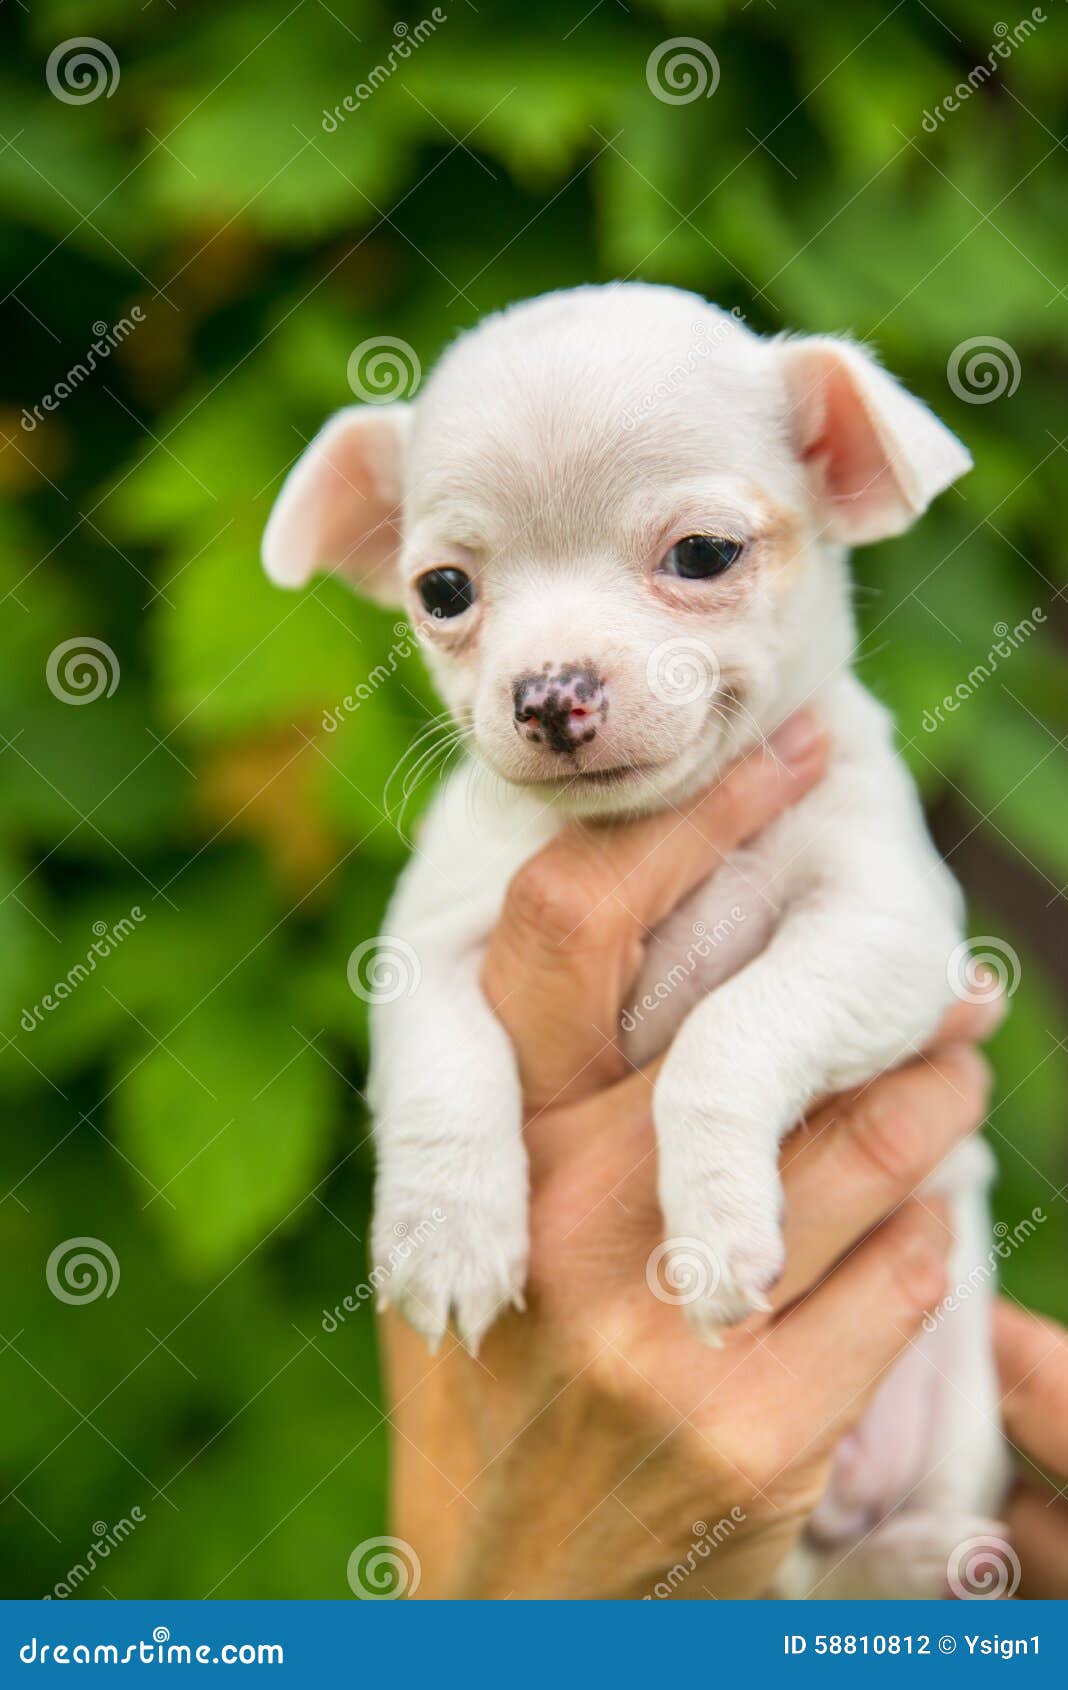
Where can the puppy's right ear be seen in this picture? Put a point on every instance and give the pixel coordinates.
(340, 505)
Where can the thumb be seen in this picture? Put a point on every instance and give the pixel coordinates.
(570, 936)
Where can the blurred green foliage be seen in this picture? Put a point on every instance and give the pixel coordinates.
(195, 1102)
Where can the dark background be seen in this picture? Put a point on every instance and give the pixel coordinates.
(194, 1104)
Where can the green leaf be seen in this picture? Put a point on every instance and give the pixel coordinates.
(1016, 771)
(229, 1120)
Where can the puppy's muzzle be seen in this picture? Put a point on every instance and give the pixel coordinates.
(560, 708)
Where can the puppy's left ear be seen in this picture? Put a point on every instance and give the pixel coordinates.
(340, 504)
(877, 455)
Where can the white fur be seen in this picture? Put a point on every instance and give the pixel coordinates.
(555, 455)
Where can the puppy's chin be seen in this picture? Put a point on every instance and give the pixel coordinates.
(632, 792)
(629, 790)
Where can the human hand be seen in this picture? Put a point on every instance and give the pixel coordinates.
(1032, 1356)
(579, 1455)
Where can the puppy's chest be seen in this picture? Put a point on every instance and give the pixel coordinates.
(711, 935)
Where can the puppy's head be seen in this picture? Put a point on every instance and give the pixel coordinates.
(617, 519)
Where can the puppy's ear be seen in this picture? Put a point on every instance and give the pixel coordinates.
(340, 504)
(877, 455)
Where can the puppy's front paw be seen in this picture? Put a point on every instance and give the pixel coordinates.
(456, 1252)
(724, 1250)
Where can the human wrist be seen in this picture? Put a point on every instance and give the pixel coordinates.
(537, 1531)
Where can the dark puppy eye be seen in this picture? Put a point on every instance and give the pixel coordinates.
(446, 592)
(700, 556)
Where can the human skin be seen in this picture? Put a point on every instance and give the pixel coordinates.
(1032, 1358)
(584, 1450)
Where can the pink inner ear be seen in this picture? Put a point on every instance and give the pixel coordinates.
(880, 454)
(340, 507)
(358, 519)
(858, 476)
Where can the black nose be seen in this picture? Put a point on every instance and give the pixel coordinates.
(560, 708)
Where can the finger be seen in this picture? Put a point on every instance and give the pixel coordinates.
(861, 1156)
(966, 1022)
(570, 934)
(613, 1132)
(1032, 1356)
(972, 1020)
(648, 866)
(840, 1341)
(1038, 1526)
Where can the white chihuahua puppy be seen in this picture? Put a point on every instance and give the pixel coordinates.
(620, 522)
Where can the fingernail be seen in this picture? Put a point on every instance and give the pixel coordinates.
(992, 1005)
(798, 737)
(964, 1055)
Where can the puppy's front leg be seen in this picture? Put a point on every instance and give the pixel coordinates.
(839, 994)
(450, 1225)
